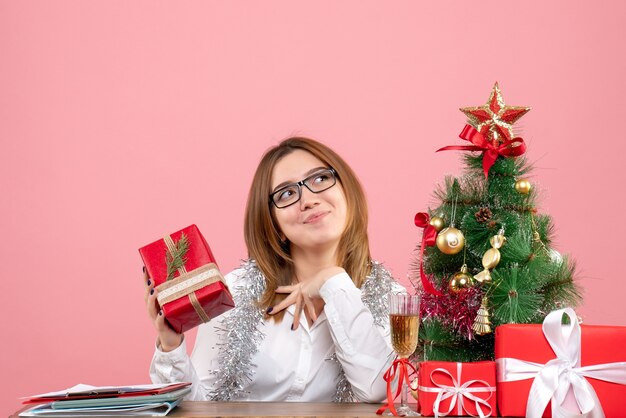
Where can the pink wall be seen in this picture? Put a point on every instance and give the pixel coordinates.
(120, 121)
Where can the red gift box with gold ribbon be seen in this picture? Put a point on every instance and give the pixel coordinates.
(457, 389)
(191, 289)
(561, 369)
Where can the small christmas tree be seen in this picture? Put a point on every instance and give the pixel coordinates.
(485, 257)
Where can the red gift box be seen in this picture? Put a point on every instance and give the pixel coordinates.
(194, 292)
(457, 389)
(540, 364)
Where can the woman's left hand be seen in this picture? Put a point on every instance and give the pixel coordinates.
(304, 294)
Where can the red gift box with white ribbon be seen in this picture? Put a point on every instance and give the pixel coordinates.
(457, 389)
(561, 370)
(191, 289)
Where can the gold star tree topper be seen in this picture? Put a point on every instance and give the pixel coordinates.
(495, 119)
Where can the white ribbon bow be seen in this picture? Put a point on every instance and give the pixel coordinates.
(458, 393)
(563, 374)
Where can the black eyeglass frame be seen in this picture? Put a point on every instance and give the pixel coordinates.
(303, 183)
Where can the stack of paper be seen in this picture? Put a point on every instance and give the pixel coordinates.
(85, 400)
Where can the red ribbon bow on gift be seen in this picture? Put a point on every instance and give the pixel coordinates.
(511, 148)
(429, 237)
(458, 392)
(553, 380)
(400, 368)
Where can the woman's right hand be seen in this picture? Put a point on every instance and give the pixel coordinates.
(168, 338)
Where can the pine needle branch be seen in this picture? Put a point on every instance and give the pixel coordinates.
(178, 258)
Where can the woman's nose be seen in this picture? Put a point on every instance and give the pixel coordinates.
(308, 199)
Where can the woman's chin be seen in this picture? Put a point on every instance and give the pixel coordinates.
(318, 244)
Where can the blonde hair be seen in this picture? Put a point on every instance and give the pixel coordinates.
(262, 233)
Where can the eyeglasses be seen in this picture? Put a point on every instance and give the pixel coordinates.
(316, 183)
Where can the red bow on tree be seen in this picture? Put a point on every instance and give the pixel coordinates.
(511, 148)
(429, 238)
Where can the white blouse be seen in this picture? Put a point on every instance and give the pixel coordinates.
(295, 365)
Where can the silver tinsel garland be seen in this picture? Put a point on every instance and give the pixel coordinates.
(240, 335)
(374, 292)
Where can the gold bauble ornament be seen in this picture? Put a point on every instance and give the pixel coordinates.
(450, 240)
(523, 186)
(461, 280)
(437, 223)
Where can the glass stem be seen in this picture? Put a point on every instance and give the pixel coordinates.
(403, 394)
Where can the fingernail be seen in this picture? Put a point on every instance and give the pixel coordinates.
(151, 291)
(161, 313)
(292, 327)
(149, 282)
(144, 269)
(269, 310)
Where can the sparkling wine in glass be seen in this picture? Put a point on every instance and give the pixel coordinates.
(404, 318)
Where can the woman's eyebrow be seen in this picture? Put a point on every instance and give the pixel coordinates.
(307, 174)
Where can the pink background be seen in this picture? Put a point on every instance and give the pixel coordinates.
(121, 121)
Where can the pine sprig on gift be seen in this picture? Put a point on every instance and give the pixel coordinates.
(178, 258)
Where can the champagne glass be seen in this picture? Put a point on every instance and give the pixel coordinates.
(404, 318)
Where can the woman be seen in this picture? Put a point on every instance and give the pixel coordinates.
(310, 322)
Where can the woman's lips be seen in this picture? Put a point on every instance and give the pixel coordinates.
(315, 217)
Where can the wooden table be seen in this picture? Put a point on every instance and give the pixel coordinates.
(270, 409)
(274, 409)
